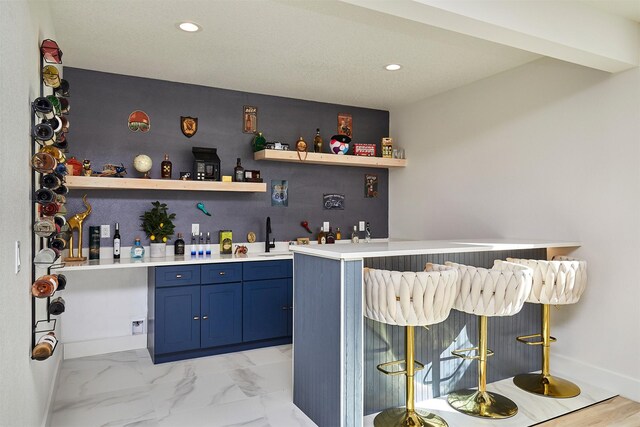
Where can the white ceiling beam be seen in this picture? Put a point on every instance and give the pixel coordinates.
(567, 30)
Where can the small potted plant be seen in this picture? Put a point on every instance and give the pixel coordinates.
(157, 223)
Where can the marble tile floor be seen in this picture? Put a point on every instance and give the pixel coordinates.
(250, 388)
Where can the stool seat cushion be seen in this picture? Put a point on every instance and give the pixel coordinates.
(410, 298)
(559, 281)
(500, 291)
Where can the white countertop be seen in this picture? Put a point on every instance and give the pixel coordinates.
(170, 260)
(353, 251)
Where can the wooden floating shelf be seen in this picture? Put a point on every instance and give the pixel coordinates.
(329, 159)
(103, 183)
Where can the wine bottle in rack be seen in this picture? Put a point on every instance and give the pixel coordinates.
(57, 306)
(45, 346)
(43, 108)
(44, 286)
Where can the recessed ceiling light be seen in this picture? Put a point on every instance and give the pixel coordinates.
(393, 67)
(189, 27)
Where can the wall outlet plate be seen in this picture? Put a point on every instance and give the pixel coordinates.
(105, 231)
(325, 225)
(361, 226)
(137, 327)
(195, 229)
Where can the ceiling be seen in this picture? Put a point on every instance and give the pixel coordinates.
(322, 50)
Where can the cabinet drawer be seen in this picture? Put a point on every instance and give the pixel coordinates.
(259, 270)
(222, 273)
(176, 276)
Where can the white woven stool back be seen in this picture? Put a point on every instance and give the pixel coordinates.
(410, 298)
(560, 281)
(500, 291)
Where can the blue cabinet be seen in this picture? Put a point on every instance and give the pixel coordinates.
(199, 310)
(221, 310)
(177, 326)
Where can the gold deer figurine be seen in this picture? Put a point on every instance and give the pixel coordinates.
(76, 222)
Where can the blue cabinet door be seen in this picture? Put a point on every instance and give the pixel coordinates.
(177, 319)
(221, 314)
(290, 305)
(264, 309)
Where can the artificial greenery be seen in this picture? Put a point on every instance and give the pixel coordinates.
(157, 223)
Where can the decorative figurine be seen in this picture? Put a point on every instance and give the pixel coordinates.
(86, 167)
(305, 225)
(200, 206)
(75, 222)
(142, 163)
(251, 237)
(241, 249)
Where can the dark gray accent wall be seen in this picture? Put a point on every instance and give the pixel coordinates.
(101, 103)
(443, 372)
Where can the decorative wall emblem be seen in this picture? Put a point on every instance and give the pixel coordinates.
(189, 126)
(139, 121)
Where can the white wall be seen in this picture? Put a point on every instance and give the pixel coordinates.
(25, 385)
(547, 150)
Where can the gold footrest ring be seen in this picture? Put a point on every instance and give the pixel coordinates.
(482, 404)
(548, 386)
(525, 339)
(461, 353)
(396, 417)
(417, 367)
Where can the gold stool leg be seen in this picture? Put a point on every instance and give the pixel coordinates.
(409, 416)
(480, 402)
(544, 383)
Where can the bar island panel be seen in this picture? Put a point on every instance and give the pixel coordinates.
(336, 349)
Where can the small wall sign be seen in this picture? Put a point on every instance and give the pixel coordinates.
(345, 124)
(189, 126)
(333, 201)
(249, 119)
(370, 185)
(279, 193)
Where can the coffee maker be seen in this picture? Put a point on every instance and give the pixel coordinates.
(206, 164)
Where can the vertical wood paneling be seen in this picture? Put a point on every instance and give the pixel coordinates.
(353, 336)
(444, 373)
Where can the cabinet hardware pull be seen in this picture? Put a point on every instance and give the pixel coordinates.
(205, 317)
(196, 317)
(178, 276)
(290, 307)
(222, 273)
(285, 307)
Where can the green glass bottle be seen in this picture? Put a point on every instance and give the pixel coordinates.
(259, 142)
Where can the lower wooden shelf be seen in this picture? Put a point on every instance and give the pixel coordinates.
(329, 159)
(102, 183)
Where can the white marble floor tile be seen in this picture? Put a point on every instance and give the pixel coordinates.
(194, 393)
(99, 362)
(263, 379)
(79, 383)
(248, 412)
(280, 410)
(105, 409)
(166, 372)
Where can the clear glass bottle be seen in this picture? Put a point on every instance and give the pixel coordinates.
(193, 245)
(367, 235)
(166, 167)
(116, 242)
(354, 235)
(317, 142)
(200, 245)
(137, 250)
(238, 172)
(179, 245)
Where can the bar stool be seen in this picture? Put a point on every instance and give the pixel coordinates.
(409, 299)
(560, 281)
(500, 291)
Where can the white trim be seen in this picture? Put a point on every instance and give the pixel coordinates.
(342, 333)
(604, 378)
(76, 349)
(46, 420)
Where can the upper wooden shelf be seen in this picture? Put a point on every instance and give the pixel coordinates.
(329, 159)
(103, 183)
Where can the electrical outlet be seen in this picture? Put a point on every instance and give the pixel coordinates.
(105, 231)
(361, 226)
(17, 269)
(137, 327)
(195, 229)
(325, 225)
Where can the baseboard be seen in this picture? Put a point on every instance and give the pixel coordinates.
(46, 421)
(76, 349)
(604, 378)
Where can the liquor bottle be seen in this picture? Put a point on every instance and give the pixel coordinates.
(57, 306)
(238, 172)
(137, 250)
(338, 234)
(44, 286)
(179, 245)
(44, 349)
(331, 238)
(322, 238)
(259, 142)
(193, 245)
(208, 245)
(200, 245)
(317, 142)
(354, 236)
(166, 168)
(116, 242)
(367, 236)
(94, 242)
